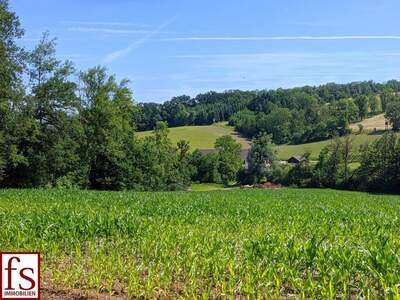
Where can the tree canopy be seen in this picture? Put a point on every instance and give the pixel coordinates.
(77, 129)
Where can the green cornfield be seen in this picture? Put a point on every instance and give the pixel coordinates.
(272, 244)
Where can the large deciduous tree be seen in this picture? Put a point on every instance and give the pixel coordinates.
(107, 116)
(55, 107)
(333, 167)
(229, 161)
(363, 105)
(161, 165)
(12, 127)
(393, 114)
(262, 160)
(11, 55)
(380, 165)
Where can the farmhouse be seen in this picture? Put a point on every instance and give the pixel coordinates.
(296, 159)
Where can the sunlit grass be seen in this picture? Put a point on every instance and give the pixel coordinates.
(204, 187)
(286, 151)
(202, 137)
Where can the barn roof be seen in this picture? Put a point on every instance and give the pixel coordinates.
(297, 158)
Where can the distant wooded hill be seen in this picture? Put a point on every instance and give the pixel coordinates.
(296, 115)
(204, 137)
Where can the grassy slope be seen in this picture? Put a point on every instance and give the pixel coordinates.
(243, 243)
(202, 137)
(286, 151)
(375, 122)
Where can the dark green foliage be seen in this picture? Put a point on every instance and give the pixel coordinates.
(333, 167)
(205, 167)
(70, 130)
(11, 56)
(11, 67)
(295, 115)
(54, 104)
(346, 112)
(328, 171)
(108, 128)
(245, 121)
(160, 165)
(278, 124)
(229, 161)
(65, 135)
(147, 116)
(204, 109)
(380, 165)
(184, 166)
(262, 162)
(362, 103)
(222, 166)
(393, 113)
(379, 168)
(297, 118)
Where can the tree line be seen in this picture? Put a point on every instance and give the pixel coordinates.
(64, 128)
(60, 127)
(296, 115)
(372, 167)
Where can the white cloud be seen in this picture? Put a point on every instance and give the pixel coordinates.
(285, 38)
(102, 23)
(273, 56)
(110, 30)
(113, 56)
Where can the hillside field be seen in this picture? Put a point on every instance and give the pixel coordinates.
(321, 244)
(202, 137)
(376, 122)
(286, 151)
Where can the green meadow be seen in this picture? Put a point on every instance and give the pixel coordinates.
(204, 137)
(286, 151)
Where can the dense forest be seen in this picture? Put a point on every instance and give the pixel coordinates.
(296, 115)
(64, 128)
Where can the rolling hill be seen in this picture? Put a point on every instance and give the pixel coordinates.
(286, 151)
(204, 137)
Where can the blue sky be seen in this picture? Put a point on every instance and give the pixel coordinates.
(174, 47)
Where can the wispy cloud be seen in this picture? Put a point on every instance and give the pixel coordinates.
(113, 56)
(285, 38)
(102, 23)
(110, 27)
(110, 30)
(285, 55)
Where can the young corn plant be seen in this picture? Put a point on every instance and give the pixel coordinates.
(308, 244)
